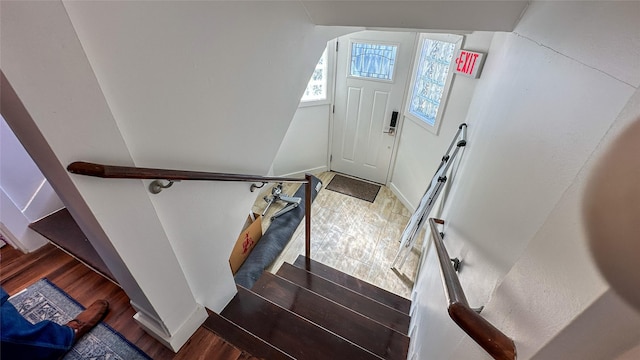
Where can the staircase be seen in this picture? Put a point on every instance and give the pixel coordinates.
(320, 313)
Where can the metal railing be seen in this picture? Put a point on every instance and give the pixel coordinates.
(127, 172)
(478, 328)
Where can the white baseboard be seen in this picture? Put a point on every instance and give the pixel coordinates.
(312, 171)
(10, 239)
(176, 340)
(394, 189)
(15, 227)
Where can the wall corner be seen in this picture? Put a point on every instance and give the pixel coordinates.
(159, 331)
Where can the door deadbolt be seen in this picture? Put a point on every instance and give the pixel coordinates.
(393, 123)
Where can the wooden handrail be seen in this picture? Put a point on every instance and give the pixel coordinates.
(492, 340)
(128, 172)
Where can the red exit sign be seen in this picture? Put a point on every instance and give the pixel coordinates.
(469, 63)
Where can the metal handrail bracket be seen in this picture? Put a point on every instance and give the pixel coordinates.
(127, 172)
(492, 340)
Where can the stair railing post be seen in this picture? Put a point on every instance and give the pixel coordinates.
(307, 210)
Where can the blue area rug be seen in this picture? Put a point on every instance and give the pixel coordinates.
(275, 239)
(45, 301)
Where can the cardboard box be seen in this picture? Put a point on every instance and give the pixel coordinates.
(247, 240)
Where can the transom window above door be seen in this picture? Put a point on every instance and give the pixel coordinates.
(372, 61)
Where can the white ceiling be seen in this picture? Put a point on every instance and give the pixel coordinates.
(474, 15)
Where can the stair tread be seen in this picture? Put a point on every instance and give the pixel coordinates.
(373, 336)
(62, 230)
(360, 286)
(372, 309)
(287, 331)
(243, 339)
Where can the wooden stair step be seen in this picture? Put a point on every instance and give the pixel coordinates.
(374, 310)
(362, 331)
(62, 230)
(289, 332)
(243, 339)
(362, 287)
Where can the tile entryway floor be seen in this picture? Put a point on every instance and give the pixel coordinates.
(352, 235)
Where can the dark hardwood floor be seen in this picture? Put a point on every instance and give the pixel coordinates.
(18, 270)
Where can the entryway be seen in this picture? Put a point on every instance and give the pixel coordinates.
(354, 236)
(372, 72)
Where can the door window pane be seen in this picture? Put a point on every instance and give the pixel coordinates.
(373, 61)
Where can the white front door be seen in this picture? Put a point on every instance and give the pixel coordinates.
(371, 77)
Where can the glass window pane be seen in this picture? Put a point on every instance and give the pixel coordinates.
(435, 58)
(374, 61)
(317, 86)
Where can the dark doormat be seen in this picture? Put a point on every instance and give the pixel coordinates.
(353, 187)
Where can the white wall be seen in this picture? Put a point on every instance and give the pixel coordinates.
(221, 77)
(52, 101)
(199, 85)
(604, 330)
(553, 93)
(26, 194)
(187, 85)
(304, 148)
(420, 151)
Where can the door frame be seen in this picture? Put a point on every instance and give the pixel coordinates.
(333, 63)
(401, 117)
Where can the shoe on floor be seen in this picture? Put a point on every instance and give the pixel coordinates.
(89, 318)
